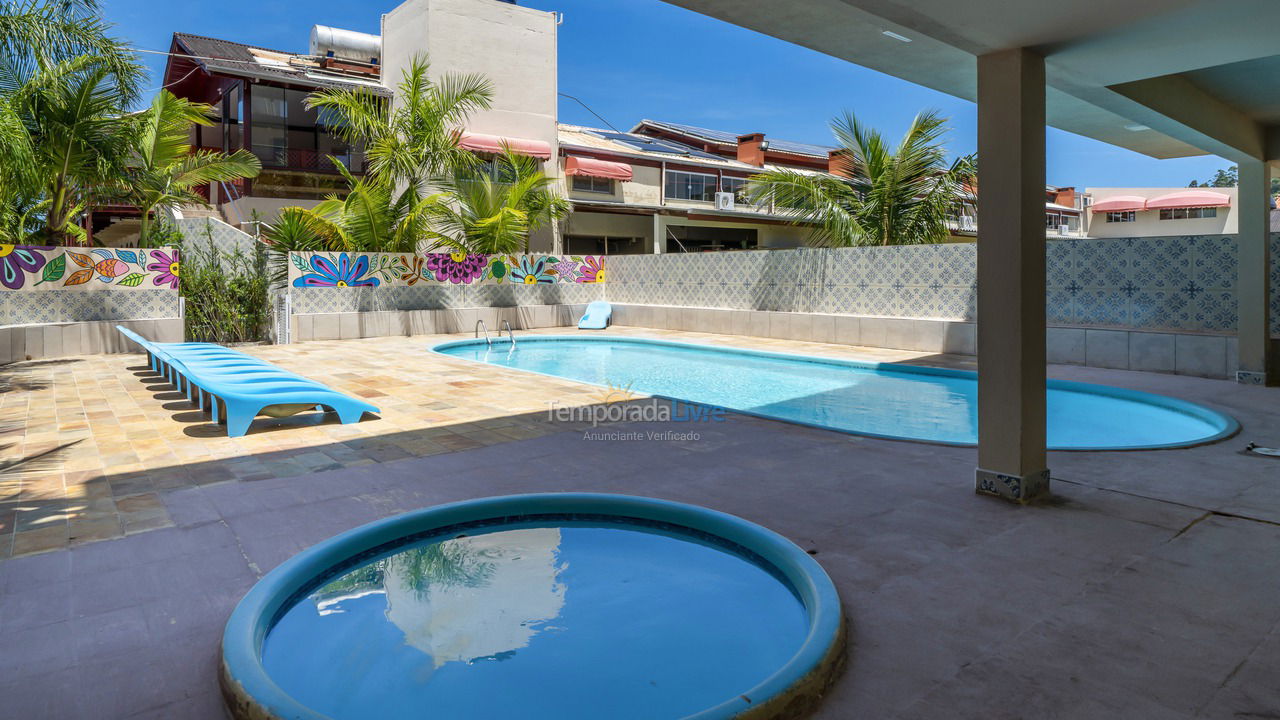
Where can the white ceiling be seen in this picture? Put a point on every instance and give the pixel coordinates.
(1200, 73)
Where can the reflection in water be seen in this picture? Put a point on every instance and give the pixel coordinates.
(568, 622)
(463, 599)
(881, 401)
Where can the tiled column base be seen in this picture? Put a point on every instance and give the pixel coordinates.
(1246, 377)
(1012, 487)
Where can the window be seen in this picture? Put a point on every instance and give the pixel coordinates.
(1052, 220)
(737, 186)
(691, 186)
(586, 183)
(1188, 213)
(288, 134)
(1126, 216)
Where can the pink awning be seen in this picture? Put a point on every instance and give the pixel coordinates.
(1120, 203)
(591, 167)
(1189, 199)
(480, 142)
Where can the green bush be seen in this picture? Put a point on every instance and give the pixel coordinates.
(226, 293)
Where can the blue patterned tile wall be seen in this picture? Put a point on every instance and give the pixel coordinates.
(51, 306)
(1157, 283)
(438, 297)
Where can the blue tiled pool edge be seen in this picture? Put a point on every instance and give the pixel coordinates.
(250, 693)
(1230, 426)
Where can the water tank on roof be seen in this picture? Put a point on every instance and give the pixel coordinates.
(345, 44)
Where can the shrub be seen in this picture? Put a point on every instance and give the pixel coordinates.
(226, 292)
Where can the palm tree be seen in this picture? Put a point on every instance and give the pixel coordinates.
(74, 124)
(165, 171)
(64, 87)
(371, 218)
(36, 34)
(417, 138)
(495, 215)
(879, 196)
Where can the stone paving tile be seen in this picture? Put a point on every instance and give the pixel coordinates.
(92, 433)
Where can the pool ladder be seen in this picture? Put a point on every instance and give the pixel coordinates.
(481, 326)
(510, 334)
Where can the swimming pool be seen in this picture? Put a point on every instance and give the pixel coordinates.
(882, 400)
(559, 606)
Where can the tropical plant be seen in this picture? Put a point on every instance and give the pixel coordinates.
(38, 34)
(372, 217)
(495, 212)
(226, 292)
(64, 87)
(879, 195)
(76, 133)
(416, 138)
(164, 172)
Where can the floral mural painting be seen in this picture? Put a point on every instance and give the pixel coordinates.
(337, 271)
(17, 262)
(457, 268)
(591, 270)
(328, 270)
(42, 267)
(531, 272)
(166, 268)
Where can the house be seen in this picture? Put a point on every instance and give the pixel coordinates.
(659, 187)
(1155, 211)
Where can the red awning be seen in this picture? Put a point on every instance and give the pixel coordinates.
(1189, 199)
(479, 142)
(574, 165)
(1120, 203)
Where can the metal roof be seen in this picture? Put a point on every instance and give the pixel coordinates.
(728, 138)
(238, 59)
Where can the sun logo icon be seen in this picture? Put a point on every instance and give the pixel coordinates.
(615, 394)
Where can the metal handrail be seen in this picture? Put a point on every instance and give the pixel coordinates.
(510, 334)
(487, 339)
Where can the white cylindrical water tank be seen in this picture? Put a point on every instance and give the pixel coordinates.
(345, 44)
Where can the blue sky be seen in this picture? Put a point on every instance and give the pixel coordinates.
(631, 59)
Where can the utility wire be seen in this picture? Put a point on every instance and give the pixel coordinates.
(593, 112)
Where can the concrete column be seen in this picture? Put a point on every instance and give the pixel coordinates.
(1011, 272)
(1252, 285)
(659, 234)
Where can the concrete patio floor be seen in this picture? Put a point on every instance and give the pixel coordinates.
(1149, 587)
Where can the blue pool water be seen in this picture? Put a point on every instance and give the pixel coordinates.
(888, 401)
(566, 620)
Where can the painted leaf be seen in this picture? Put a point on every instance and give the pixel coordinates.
(132, 279)
(54, 270)
(576, 258)
(81, 260)
(299, 263)
(128, 256)
(79, 277)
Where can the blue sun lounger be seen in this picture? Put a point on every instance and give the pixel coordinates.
(214, 376)
(597, 316)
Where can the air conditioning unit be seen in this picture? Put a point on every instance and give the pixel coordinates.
(724, 201)
(1064, 229)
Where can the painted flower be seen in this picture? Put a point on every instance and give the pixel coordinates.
(532, 272)
(458, 268)
(167, 266)
(344, 274)
(568, 270)
(592, 270)
(18, 260)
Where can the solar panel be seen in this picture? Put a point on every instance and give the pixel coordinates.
(648, 144)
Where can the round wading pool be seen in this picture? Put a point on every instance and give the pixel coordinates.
(561, 606)
(903, 402)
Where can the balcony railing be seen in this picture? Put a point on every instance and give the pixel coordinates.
(308, 160)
